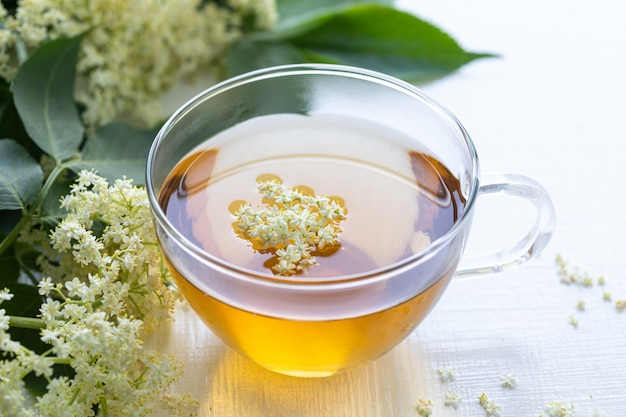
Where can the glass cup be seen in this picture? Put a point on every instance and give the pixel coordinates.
(318, 326)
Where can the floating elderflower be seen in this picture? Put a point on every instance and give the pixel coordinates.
(295, 225)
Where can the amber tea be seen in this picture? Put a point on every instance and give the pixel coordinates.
(312, 215)
(397, 201)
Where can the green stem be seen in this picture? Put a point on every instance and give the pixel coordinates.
(58, 169)
(62, 361)
(28, 215)
(26, 322)
(74, 396)
(104, 406)
(10, 238)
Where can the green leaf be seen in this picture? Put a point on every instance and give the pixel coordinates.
(44, 97)
(26, 302)
(247, 54)
(27, 256)
(8, 220)
(116, 149)
(20, 176)
(294, 13)
(11, 126)
(372, 36)
(387, 40)
(5, 96)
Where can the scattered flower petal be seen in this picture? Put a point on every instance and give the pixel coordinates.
(508, 381)
(491, 408)
(424, 408)
(452, 399)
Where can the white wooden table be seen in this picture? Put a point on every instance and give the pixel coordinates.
(553, 107)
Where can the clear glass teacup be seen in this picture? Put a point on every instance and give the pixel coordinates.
(402, 166)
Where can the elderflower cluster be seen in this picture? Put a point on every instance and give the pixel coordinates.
(110, 367)
(292, 227)
(107, 288)
(135, 49)
(107, 241)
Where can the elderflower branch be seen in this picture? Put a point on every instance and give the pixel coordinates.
(97, 284)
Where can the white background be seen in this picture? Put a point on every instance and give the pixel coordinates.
(552, 106)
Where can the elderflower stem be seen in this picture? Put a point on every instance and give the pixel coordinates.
(45, 188)
(29, 214)
(13, 234)
(26, 322)
(103, 406)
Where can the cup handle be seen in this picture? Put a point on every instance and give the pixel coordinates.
(532, 243)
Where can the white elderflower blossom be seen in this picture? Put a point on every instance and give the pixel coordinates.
(452, 399)
(573, 321)
(135, 49)
(95, 314)
(560, 409)
(597, 412)
(123, 259)
(292, 226)
(508, 381)
(5, 295)
(446, 373)
(574, 276)
(492, 409)
(424, 408)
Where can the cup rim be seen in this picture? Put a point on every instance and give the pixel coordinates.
(368, 276)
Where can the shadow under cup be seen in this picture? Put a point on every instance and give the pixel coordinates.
(301, 325)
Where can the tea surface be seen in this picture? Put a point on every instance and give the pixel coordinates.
(398, 199)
